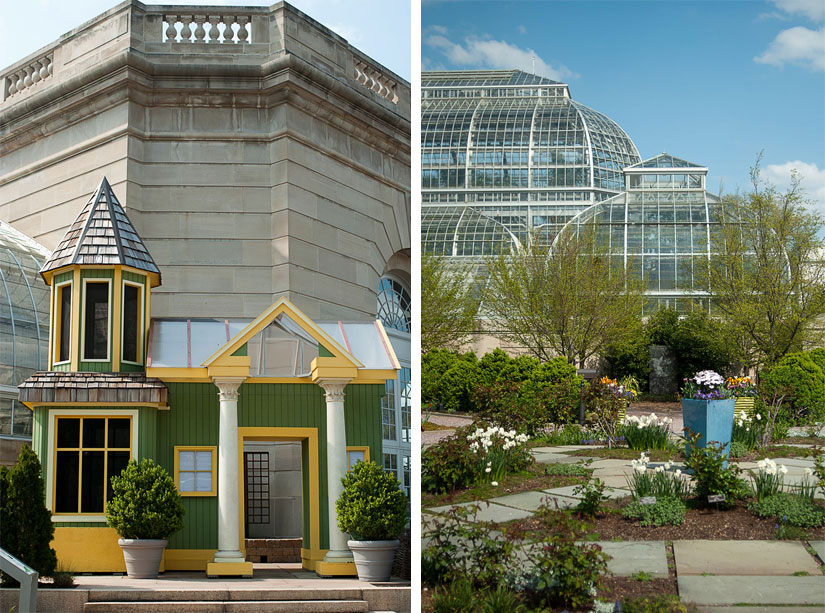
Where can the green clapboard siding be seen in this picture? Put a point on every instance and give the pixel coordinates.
(63, 277)
(62, 367)
(97, 274)
(133, 277)
(291, 405)
(362, 408)
(191, 420)
(148, 435)
(243, 350)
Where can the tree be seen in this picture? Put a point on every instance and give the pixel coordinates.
(765, 276)
(569, 300)
(27, 524)
(449, 304)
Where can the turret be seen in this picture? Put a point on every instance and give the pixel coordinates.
(101, 276)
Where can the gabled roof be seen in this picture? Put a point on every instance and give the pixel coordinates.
(664, 160)
(101, 234)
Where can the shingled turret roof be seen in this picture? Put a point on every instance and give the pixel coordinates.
(101, 234)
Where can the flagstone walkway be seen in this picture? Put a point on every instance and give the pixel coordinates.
(772, 576)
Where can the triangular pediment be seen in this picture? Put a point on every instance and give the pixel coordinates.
(293, 321)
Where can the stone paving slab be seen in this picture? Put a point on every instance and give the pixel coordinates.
(819, 548)
(797, 462)
(740, 558)
(568, 491)
(628, 558)
(732, 590)
(527, 501)
(552, 458)
(563, 502)
(494, 512)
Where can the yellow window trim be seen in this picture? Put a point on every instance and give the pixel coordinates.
(57, 309)
(140, 322)
(364, 448)
(82, 348)
(52, 467)
(214, 451)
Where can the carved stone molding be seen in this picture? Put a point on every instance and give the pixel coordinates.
(228, 388)
(333, 388)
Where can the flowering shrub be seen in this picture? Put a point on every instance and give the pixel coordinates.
(622, 389)
(769, 480)
(660, 482)
(498, 452)
(747, 430)
(706, 385)
(646, 432)
(740, 387)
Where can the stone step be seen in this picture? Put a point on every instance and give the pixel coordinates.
(211, 594)
(229, 606)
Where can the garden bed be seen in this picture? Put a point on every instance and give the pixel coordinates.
(534, 478)
(700, 524)
(662, 455)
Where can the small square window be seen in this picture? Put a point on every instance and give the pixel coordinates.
(195, 473)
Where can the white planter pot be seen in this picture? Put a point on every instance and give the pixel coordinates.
(142, 556)
(373, 559)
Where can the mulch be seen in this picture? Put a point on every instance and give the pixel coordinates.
(700, 524)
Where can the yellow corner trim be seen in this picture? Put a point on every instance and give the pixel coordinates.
(233, 569)
(280, 380)
(282, 305)
(214, 451)
(335, 569)
(188, 559)
(88, 550)
(228, 371)
(375, 375)
(332, 368)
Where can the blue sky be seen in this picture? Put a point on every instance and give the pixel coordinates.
(713, 82)
(379, 28)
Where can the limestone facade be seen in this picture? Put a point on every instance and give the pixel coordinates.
(272, 164)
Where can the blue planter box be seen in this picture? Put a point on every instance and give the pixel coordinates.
(713, 419)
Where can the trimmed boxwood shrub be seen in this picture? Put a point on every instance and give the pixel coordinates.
(145, 503)
(372, 506)
(799, 377)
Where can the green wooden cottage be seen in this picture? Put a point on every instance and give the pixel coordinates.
(193, 394)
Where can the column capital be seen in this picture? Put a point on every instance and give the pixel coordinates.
(333, 388)
(228, 387)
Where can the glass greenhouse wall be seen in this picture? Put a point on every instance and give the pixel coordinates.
(24, 325)
(517, 149)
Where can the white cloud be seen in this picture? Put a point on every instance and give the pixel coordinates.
(797, 45)
(496, 54)
(812, 9)
(439, 29)
(813, 179)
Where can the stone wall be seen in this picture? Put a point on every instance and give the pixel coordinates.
(278, 166)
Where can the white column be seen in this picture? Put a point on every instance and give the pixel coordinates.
(336, 465)
(228, 478)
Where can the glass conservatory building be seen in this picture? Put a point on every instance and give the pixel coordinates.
(24, 332)
(508, 157)
(516, 149)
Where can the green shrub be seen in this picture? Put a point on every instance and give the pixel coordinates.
(558, 469)
(592, 496)
(448, 465)
(629, 357)
(447, 378)
(604, 409)
(372, 506)
(145, 503)
(569, 434)
(709, 475)
(791, 510)
(458, 596)
(527, 407)
(665, 511)
(27, 528)
(738, 449)
(799, 377)
(818, 356)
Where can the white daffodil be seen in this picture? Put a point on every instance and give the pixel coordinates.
(488, 469)
(783, 469)
(808, 471)
(494, 484)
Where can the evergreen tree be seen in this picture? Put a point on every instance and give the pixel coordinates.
(27, 528)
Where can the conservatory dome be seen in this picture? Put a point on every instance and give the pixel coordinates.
(24, 324)
(517, 148)
(662, 226)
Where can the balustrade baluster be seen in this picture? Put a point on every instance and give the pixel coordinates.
(214, 20)
(186, 32)
(228, 34)
(200, 33)
(171, 30)
(243, 33)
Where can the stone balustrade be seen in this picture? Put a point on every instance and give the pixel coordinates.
(205, 28)
(372, 78)
(29, 75)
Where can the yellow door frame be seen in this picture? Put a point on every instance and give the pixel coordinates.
(314, 554)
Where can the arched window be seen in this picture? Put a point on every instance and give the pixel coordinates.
(394, 304)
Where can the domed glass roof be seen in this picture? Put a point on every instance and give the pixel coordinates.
(517, 148)
(24, 323)
(662, 226)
